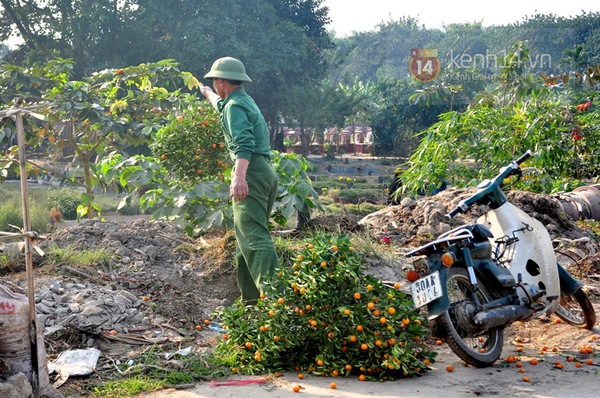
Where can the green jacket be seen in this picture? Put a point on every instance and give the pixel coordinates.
(244, 126)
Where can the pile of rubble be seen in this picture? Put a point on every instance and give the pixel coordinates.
(64, 307)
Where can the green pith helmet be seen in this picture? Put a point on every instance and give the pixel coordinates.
(228, 68)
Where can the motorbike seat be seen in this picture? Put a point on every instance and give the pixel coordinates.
(480, 232)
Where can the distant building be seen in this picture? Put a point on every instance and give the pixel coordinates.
(351, 139)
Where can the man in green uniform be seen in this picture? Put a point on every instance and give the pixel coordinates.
(253, 182)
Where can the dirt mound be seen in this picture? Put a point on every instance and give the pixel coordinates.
(184, 280)
(180, 278)
(415, 221)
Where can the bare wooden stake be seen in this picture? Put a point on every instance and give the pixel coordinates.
(35, 382)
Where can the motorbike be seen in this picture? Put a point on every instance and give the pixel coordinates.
(479, 278)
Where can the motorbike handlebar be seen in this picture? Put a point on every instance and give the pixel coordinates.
(452, 213)
(505, 172)
(524, 157)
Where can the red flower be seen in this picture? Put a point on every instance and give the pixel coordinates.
(577, 137)
(385, 240)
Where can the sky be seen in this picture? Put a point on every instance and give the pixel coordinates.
(350, 16)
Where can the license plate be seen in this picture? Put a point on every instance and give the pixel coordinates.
(426, 289)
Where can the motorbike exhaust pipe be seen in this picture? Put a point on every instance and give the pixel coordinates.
(501, 316)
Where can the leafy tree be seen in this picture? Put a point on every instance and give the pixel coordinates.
(101, 116)
(304, 110)
(111, 110)
(200, 202)
(551, 35)
(379, 54)
(359, 104)
(576, 58)
(435, 94)
(380, 57)
(280, 42)
(4, 49)
(396, 120)
(85, 30)
(310, 15)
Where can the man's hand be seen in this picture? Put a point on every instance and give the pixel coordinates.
(239, 187)
(205, 90)
(209, 94)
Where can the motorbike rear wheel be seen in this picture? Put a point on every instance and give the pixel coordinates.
(480, 348)
(577, 310)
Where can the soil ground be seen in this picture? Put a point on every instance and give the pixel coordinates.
(500, 380)
(179, 282)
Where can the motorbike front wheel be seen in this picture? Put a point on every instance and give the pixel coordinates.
(577, 310)
(480, 348)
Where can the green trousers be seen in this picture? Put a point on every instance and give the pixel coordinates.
(256, 256)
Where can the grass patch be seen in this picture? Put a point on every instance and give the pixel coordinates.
(127, 387)
(10, 261)
(286, 248)
(79, 258)
(151, 372)
(43, 199)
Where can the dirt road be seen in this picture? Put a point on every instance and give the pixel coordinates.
(544, 340)
(500, 380)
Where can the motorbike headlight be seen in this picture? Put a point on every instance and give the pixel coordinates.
(448, 259)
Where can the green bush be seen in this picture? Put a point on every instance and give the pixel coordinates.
(320, 184)
(10, 214)
(560, 126)
(66, 200)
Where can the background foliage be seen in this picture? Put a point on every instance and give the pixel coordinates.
(280, 42)
(556, 121)
(110, 89)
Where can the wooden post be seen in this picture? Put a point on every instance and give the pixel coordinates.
(35, 382)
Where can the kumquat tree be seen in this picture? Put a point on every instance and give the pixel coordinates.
(324, 316)
(187, 178)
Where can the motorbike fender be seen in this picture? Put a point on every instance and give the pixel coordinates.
(568, 284)
(439, 306)
(531, 257)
